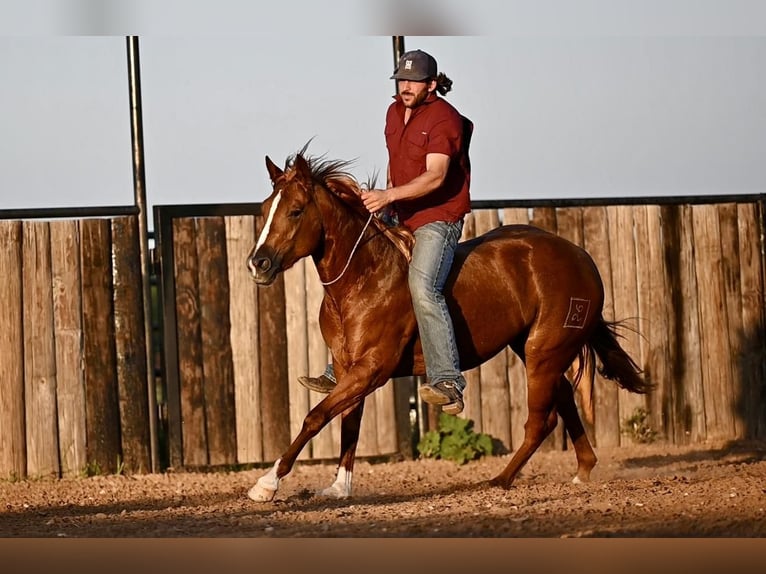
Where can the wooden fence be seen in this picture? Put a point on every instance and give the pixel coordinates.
(688, 274)
(73, 381)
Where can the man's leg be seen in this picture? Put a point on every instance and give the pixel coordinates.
(432, 257)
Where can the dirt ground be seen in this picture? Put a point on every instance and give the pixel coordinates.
(713, 490)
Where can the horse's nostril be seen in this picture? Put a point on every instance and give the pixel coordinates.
(263, 264)
(258, 264)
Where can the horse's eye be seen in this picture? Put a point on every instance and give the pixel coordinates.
(295, 213)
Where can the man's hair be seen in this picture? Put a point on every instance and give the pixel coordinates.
(443, 84)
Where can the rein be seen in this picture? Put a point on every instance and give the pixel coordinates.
(366, 225)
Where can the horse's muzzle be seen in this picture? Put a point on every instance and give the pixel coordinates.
(263, 268)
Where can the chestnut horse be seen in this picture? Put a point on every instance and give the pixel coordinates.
(516, 286)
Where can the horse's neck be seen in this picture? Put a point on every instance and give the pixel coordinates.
(338, 256)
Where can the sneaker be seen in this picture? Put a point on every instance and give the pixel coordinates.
(445, 394)
(320, 384)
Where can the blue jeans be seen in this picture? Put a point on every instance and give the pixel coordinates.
(432, 257)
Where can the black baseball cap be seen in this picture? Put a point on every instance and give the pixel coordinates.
(416, 66)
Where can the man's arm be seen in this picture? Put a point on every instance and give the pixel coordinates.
(431, 179)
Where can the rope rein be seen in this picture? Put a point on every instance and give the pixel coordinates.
(366, 225)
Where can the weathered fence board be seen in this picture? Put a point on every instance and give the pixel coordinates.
(296, 319)
(605, 393)
(732, 294)
(101, 395)
(70, 376)
(387, 429)
(275, 395)
(217, 368)
(643, 322)
(714, 333)
(405, 411)
(243, 321)
(190, 357)
(625, 297)
(751, 363)
(690, 408)
(130, 347)
(372, 424)
(545, 218)
(654, 305)
(39, 352)
(12, 421)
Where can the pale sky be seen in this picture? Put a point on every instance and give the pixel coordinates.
(662, 106)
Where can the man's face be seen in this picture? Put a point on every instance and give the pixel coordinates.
(413, 93)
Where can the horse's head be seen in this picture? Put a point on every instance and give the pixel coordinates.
(310, 197)
(293, 225)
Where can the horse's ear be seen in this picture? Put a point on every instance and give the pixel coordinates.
(302, 167)
(274, 172)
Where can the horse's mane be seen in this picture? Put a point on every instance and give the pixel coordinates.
(334, 175)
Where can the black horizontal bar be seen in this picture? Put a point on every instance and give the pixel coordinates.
(207, 209)
(68, 212)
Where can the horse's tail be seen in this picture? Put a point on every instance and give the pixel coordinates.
(616, 364)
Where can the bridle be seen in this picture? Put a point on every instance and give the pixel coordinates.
(353, 250)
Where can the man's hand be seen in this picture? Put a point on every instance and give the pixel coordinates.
(376, 199)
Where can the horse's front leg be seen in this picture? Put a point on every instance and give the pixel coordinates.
(351, 421)
(340, 399)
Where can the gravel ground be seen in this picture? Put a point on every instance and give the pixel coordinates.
(711, 490)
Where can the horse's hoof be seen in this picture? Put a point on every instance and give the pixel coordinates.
(261, 494)
(578, 480)
(334, 491)
(499, 482)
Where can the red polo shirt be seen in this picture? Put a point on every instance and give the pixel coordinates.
(434, 127)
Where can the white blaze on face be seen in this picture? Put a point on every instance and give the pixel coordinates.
(265, 231)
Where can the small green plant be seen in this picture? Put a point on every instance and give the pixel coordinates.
(13, 477)
(639, 427)
(91, 469)
(454, 439)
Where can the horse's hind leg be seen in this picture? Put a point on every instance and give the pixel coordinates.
(351, 421)
(541, 420)
(586, 458)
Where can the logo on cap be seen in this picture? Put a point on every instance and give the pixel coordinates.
(408, 65)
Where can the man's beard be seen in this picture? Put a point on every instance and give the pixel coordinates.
(418, 99)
